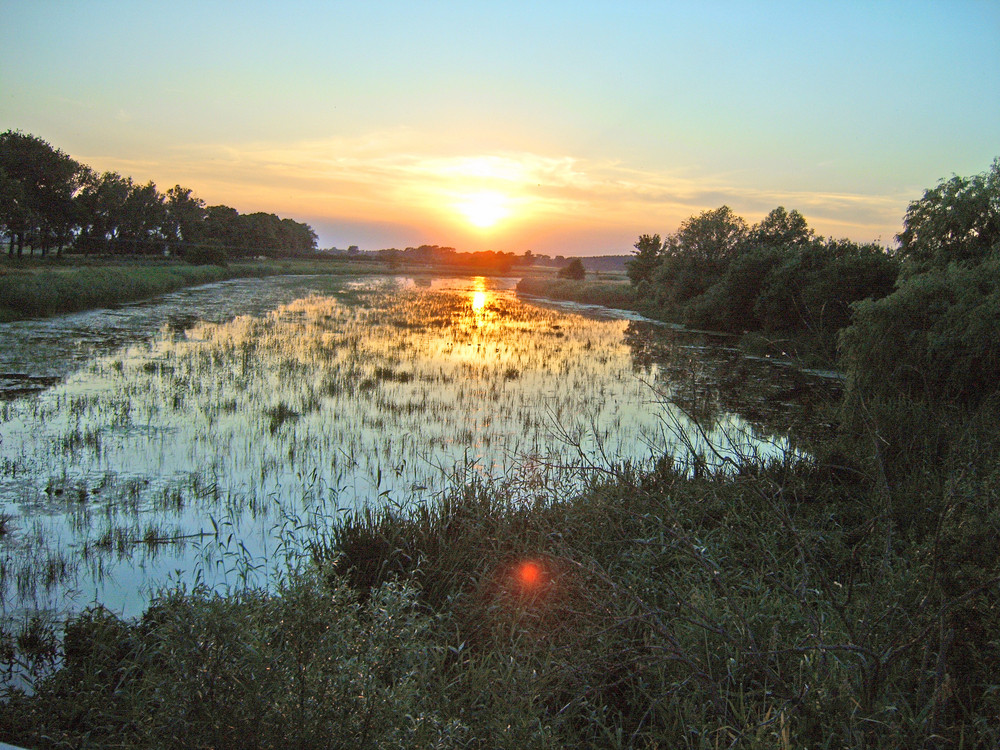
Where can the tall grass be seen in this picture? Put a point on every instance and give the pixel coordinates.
(40, 291)
(617, 294)
(782, 608)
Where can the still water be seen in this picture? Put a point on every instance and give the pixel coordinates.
(206, 435)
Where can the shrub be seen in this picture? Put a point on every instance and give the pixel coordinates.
(206, 255)
(936, 338)
(573, 270)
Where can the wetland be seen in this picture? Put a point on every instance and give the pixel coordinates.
(211, 434)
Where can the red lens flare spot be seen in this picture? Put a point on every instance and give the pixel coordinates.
(529, 574)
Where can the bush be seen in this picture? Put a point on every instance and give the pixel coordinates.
(206, 255)
(729, 305)
(307, 666)
(936, 338)
(573, 270)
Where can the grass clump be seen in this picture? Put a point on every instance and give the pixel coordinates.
(617, 294)
(305, 666)
(764, 612)
(784, 606)
(39, 290)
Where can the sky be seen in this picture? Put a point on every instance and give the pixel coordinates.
(557, 127)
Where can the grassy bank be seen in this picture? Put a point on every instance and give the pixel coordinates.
(814, 604)
(29, 290)
(618, 294)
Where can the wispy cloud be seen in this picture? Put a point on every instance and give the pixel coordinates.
(401, 177)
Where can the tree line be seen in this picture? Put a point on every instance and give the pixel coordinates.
(49, 201)
(437, 255)
(922, 318)
(719, 272)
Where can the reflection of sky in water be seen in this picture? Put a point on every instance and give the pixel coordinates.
(250, 429)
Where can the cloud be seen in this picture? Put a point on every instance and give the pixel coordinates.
(400, 177)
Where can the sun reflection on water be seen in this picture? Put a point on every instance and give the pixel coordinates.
(478, 301)
(364, 395)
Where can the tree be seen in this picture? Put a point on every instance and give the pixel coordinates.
(101, 207)
(934, 338)
(781, 228)
(39, 186)
(712, 237)
(143, 220)
(186, 216)
(573, 270)
(696, 256)
(297, 238)
(814, 287)
(120, 216)
(13, 209)
(957, 221)
(646, 258)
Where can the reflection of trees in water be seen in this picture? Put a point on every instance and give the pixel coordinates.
(706, 377)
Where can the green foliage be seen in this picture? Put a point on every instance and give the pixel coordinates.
(781, 228)
(815, 286)
(775, 277)
(37, 188)
(730, 304)
(609, 294)
(306, 666)
(788, 290)
(711, 238)
(957, 221)
(934, 339)
(782, 609)
(206, 254)
(645, 259)
(573, 270)
(694, 258)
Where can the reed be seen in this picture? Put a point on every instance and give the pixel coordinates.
(652, 609)
(616, 294)
(51, 289)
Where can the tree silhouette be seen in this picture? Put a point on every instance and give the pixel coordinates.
(573, 270)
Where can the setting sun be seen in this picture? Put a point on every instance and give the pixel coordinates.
(484, 209)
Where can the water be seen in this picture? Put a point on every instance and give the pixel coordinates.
(206, 435)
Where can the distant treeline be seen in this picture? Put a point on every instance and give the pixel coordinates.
(490, 260)
(49, 201)
(603, 263)
(436, 255)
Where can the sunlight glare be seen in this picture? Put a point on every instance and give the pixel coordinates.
(478, 301)
(484, 209)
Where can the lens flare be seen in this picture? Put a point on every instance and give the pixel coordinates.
(529, 574)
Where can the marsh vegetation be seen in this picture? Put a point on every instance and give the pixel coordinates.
(723, 579)
(210, 450)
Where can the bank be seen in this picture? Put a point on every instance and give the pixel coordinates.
(58, 285)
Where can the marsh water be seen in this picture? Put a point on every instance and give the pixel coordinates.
(203, 437)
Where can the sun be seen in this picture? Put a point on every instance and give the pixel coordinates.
(484, 209)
